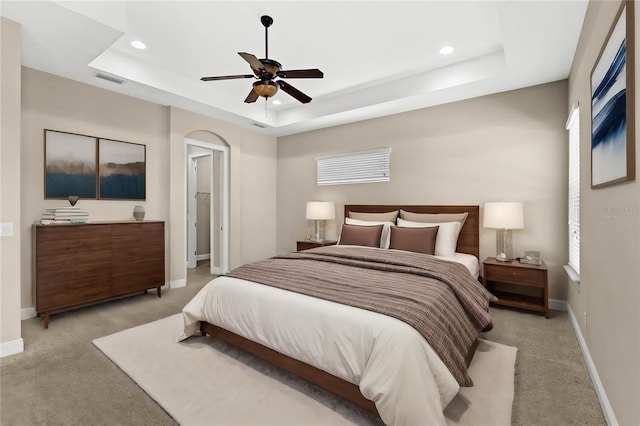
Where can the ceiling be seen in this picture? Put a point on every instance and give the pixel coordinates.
(378, 57)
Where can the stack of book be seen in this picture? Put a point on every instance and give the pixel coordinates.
(64, 215)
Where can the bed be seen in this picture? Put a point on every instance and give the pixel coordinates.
(369, 358)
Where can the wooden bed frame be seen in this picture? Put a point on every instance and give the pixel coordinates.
(468, 242)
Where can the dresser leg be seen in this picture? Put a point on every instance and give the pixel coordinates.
(159, 291)
(46, 320)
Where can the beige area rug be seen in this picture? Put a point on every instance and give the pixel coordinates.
(203, 381)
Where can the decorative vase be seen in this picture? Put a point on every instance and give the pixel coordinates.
(73, 199)
(138, 212)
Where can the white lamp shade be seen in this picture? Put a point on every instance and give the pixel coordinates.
(321, 210)
(503, 215)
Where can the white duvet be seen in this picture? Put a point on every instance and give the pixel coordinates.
(389, 360)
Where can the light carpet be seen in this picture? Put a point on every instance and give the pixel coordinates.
(203, 381)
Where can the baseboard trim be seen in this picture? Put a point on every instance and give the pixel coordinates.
(609, 414)
(27, 313)
(558, 305)
(178, 283)
(203, 256)
(11, 347)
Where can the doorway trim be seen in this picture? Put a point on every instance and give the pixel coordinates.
(223, 175)
(192, 210)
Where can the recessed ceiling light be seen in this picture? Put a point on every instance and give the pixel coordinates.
(277, 102)
(446, 50)
(138, 44)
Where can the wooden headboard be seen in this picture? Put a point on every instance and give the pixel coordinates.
(469, 239)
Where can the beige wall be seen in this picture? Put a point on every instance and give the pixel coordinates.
(10, 187)
(510, 146)
(51, 102)
(610, 240)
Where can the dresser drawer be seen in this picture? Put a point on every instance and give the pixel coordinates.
(139, 229)
(509, 274)
(70, 232)
(71, 247)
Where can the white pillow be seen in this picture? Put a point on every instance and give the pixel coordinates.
(385, 238)
(447, 238)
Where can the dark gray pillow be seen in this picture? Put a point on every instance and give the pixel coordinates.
(419, 240)
(355, 235)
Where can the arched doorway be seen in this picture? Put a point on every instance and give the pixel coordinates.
(208, 192)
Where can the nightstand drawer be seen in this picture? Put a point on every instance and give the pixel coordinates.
(506, 274)
(517, 285)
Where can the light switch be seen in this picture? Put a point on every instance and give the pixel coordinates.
(6, 229)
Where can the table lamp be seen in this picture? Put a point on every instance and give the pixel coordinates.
(320, 211)
(503, 216)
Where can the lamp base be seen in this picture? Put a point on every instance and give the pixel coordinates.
(504, 245)
(319, 232)
(501, 257)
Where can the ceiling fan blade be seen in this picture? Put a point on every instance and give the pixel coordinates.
(227, 77)
(294, 92)
(253, 61)
(252, 97)
(310, 73)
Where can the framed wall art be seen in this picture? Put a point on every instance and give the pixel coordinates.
(122, 168)
(91, 167)
(612, 104)
(69, 165)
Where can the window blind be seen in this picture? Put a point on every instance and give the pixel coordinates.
(355, 167)
(573, 125)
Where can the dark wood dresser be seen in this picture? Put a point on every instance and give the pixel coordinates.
(78, 264)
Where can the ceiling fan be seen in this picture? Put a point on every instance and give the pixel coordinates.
(267, 70)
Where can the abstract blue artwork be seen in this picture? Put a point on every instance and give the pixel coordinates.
(70, 165)
(121, 170)
(612, 127)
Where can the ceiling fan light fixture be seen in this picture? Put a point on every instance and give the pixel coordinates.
(265, 88)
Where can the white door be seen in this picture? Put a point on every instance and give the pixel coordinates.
(200, 195)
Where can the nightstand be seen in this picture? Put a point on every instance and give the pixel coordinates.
(306, 245)
(518, 285)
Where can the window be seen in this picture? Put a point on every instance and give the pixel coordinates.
(355, 167)
(573, 125)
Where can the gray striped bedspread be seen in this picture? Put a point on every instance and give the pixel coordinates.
(440, 299)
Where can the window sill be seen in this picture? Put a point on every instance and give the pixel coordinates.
(573, 276)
